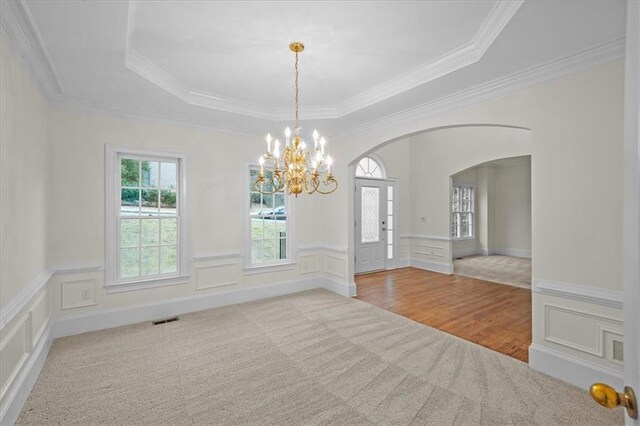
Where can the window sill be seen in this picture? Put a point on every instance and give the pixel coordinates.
(263, 269)
(463, 239)
(146, 284)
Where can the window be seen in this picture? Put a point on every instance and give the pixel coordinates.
(147, 240)
(462, 211)
(268, 224)
(370, 167)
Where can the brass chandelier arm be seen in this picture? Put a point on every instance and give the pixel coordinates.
(316, 182)
(277, 184)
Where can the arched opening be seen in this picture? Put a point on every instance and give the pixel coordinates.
(491, 221)
(422, 166)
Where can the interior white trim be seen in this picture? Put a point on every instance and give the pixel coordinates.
(578, 292)
(443, 268)
(216, 255)
(571, 369)
(14, 23)
(463, 56)
(80, 267)
(340, 250)
(99, 320)
(27, 379)
(16, 305)
(112, 211)
(594, 56)
(19, 27)
(145, 284)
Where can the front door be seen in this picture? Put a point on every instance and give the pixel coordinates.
(370, 216)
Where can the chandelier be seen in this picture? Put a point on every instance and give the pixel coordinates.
(296, 168)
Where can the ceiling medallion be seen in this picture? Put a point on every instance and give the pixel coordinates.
(296, 169)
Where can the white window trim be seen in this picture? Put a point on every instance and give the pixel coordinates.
(473, 210)
(277, 265)
(381, 165)
(112, 206)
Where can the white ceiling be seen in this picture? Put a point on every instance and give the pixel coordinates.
(227, 64)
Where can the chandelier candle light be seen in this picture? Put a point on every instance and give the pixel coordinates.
(295, 168)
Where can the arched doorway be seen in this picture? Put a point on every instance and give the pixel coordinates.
(422, 166)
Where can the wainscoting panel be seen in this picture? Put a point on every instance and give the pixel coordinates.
(577, 333)
(78, 293)
(40, 313)
(24, 344)
(14, 351)
(218, 275)
(309, 263)
(579, 330)
(335, 265)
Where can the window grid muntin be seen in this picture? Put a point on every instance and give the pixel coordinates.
(462, 212)
(369, 167)
(141, 217)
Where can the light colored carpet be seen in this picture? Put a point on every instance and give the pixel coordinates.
(509, 270)
(308, 358)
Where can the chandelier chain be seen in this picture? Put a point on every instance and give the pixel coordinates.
(296, 97)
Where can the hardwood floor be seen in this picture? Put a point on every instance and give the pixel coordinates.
(494, 315)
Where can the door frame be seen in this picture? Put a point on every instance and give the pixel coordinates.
(631, 211)
(389, 263)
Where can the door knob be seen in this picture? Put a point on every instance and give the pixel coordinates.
(608, 397)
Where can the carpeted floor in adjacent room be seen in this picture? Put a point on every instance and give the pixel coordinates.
(515, 271)
(311, 357)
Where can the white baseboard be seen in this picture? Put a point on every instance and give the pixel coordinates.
(443, 268)
(343, 289)
(403, 262)
(27, 379)
(472, 251)
(570, 369)
(93, 321)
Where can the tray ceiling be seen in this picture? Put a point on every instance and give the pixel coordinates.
(227, 63)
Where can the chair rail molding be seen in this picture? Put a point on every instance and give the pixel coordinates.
(578, 292)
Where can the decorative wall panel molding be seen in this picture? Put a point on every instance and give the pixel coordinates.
(78, 293)
(335, 265)
(218, 275)
(309, 263)
(23, 298)
(579, 330)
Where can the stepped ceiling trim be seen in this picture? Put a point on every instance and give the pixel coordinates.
(465, 55)
(17, 25)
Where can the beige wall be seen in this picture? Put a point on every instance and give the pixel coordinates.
(511, 209)
(24, 163)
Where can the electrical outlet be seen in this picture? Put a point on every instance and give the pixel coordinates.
(85, 295)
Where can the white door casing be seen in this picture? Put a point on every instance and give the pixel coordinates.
(370, 216)
(631, 220)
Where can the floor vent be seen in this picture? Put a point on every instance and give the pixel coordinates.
(164, 321)
(618, 350)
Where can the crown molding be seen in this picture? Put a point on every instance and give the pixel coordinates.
(592, 57)
(463, 56)
(18, 25)
(124, 111)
